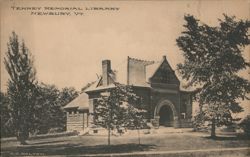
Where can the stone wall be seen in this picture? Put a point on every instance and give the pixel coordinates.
(151, 97)
(77, 120)
(145, 94)
(186, 105)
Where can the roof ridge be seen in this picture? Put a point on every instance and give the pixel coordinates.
(146, 62)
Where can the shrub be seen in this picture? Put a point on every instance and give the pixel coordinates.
(245, 125)
(56, 130)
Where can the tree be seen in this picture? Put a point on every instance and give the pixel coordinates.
(66, 95)
(212, 60)
(135, 116)
(49, 113)
(46, 108)
(245, 125)
(6, 120)
(21, 86)
(116, 109)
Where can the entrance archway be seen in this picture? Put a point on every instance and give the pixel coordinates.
(166, 116)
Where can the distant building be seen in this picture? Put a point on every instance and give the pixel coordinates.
(167, 103)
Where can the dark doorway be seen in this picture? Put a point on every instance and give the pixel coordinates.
(166, 116)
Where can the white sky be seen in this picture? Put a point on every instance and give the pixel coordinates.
(68, 50)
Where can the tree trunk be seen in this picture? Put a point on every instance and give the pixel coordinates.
(109, 131)
(139, 138)
(213, 134)
(22, 137)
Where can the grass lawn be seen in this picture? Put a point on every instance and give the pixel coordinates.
(89, 144)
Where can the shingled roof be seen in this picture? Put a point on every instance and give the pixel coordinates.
(81, 102)
(121, 75)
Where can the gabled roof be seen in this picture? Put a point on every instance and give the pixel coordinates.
(81, 102)
(95, 87)
(98, 85)
(150, 69)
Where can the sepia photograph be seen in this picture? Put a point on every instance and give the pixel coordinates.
(129, 78)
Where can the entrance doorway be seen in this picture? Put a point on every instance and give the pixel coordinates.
(166, 116)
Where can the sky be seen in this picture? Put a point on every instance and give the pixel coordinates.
(68, 50)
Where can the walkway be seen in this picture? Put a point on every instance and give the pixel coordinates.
(229, 151)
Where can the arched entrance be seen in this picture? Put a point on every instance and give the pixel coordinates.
(166, 116)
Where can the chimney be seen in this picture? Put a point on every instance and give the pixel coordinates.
(106, 68)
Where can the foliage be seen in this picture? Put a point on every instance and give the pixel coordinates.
(245, 125)
(45, 108)
(29, 107)
(212, 61)
(118, 108)
(49, 109)
(48, 113)
(66, 95)
(6, 121)
(21, 86)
